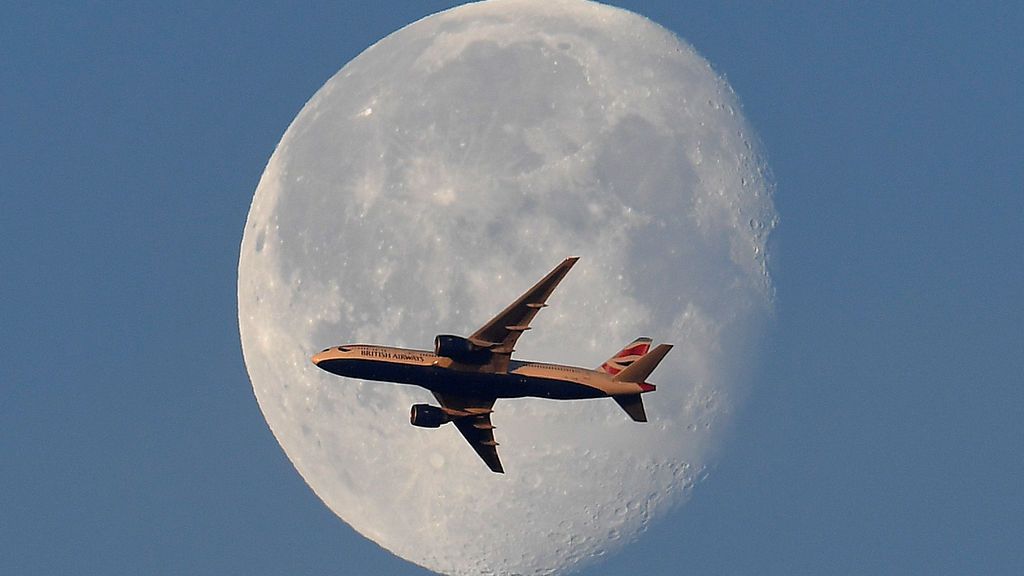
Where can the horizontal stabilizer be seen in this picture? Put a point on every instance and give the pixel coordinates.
(639, 370)
(633, 405)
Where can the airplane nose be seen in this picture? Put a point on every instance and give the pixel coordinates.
(328, 358)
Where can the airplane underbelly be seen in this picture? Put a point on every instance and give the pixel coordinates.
(509, 385)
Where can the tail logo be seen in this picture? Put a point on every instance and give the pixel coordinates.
(631, 353)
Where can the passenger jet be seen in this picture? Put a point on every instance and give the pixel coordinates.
(467, 375)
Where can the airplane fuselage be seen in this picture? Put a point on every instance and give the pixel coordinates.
(443, 375)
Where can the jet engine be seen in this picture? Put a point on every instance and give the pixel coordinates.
(427, 416)
(460, 349)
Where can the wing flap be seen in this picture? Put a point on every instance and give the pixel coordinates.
(500, 333)
(472, 417)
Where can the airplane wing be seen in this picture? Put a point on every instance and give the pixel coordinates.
(472, 416)
(500, 333)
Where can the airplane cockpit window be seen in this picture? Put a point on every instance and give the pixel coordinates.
(342, 349)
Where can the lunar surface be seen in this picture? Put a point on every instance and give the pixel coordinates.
(435, 178)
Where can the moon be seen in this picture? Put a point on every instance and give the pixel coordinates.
(430, 182)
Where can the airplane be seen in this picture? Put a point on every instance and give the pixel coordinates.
(467, 375)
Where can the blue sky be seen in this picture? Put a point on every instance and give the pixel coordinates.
(884, 432)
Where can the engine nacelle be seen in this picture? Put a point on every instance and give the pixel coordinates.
(427, 416)
(460, 349)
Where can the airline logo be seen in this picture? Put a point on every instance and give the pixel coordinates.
(626, 356)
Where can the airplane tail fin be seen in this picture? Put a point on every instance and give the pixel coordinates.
(623, 358)
(640, 369)
(637, 371)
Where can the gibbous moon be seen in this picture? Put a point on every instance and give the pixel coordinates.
(431, 181)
